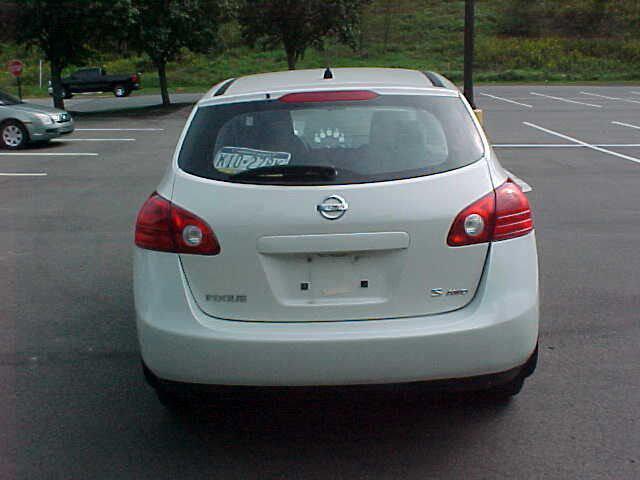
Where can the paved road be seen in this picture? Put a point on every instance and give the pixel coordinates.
(85, 103)
(75, 406)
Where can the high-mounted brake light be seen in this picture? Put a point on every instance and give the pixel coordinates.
(165, 227)
(501, 214)
(332, 96)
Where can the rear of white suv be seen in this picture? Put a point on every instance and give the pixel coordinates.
(348, 230)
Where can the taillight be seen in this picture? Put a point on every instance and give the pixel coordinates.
(466, 231)
(499, 215)
(513, 212)
(165, 227)
(332, 96)
(135, 78)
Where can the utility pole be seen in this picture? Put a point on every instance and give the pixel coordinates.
(469, 20)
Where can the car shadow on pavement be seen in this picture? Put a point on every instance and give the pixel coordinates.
(37, 146)
(96, 413)
(133, 112)
(346, 433)
(346, 406)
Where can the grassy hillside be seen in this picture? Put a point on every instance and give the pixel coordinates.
(422, 34)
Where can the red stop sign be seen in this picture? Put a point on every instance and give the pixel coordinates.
(15, 67)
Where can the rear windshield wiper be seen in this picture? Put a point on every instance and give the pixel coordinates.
(288, 172)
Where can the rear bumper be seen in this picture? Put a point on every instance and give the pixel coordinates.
(453, 385)
(497, 332)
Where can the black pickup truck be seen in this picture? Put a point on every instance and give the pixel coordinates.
(97, 80)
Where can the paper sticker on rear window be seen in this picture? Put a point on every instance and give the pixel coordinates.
(239, 159)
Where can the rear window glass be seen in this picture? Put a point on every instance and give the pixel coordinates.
(387, 138)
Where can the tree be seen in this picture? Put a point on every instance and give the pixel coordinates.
(64, 29)
(298, 25)
(8, 18)
(577, 18)
(383, 15)
(521, 18)
(164, 27)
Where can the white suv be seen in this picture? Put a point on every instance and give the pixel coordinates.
(336, 227)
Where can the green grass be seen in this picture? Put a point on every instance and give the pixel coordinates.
(422, 34)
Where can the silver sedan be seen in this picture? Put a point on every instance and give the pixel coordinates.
(21, 122)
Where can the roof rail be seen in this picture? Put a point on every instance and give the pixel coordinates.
(438, 80)
(224, 87)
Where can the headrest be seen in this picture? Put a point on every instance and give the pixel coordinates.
(396, 130)
(260, 129)
(382, 123)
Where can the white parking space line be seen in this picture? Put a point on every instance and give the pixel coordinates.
(609, 98)
(63, 140)
(635, 93)
(507, 100)
(39, 174)
(119, 129)
(580, 142)
(622, 124)
(565, 100)
(47, 154)
(563, 145)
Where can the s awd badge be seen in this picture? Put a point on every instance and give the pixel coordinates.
(442, 292)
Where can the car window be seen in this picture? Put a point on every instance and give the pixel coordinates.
(6, 99)
(388, 138)
(87, 72)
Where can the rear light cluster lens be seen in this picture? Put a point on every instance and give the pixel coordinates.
(165, 227)
(474, 224)
(330, 96)
(135, 78)
(502, 214)
(513, 213)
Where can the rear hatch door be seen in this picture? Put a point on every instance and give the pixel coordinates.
(286, 258)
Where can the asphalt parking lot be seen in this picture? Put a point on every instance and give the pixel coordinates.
(95, 103)
(72, 395)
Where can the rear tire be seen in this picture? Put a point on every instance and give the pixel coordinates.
(120, 91)
(503, 393)
(173, 402)
(13, 135)
(498, 395)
